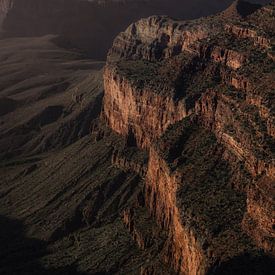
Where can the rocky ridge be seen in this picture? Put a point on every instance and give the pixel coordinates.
(199, 97)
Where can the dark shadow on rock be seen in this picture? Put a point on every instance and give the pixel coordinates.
(246, 264)
(20, 255)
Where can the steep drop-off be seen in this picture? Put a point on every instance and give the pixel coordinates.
(199, 97)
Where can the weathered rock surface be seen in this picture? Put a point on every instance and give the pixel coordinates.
(144, 108)
(199, 97)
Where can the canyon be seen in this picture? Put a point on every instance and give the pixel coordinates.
(158, 161)
(198, 96)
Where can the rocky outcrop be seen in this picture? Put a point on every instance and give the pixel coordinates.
(230, 58)
(183, 252)
(156, 38)
(131, 220)
(239, 82)
(244, 33)
(203, 107)
(221, 114)
(138, 114)
(202, 213)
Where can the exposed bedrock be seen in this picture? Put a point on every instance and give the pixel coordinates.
(156, 37)
(139, 114)
(200, 101)
(230, 58)
(222, 114)
(246, 32)
(182, 250)
(131, 159)
(194, 201)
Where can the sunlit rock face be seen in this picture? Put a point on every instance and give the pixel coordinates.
(140, 114)
(198, 97)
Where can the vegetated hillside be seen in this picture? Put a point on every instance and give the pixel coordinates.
(92, 25)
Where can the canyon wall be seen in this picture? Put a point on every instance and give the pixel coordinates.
(135, 113)
(157, 37)
(200, 101)
(183, 252)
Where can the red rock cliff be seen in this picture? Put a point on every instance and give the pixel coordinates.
(196, 90)
(131, 111)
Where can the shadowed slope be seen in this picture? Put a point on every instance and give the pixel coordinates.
(49, 95)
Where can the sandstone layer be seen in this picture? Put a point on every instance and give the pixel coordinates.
(199, 97)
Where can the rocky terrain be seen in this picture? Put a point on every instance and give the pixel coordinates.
(198, 96)
(164, 166)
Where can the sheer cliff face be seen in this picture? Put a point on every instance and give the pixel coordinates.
(199, 96)
(124, 104)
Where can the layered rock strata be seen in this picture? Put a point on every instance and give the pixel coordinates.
(124, 103)
(210, 104)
